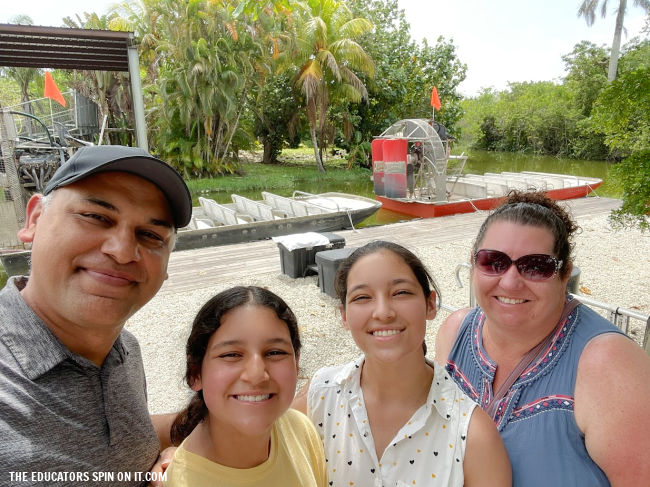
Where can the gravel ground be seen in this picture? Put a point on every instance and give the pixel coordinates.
(615, 269)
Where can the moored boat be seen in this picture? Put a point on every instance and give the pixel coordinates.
(244, 219)
(415, 174)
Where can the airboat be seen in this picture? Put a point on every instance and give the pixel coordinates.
(414, 173)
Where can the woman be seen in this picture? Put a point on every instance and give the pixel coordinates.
(242, 363)
(391, 417)
(567, 390)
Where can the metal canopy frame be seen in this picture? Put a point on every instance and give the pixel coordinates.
(84, 49)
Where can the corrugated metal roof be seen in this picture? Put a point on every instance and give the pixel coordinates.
(64, 48)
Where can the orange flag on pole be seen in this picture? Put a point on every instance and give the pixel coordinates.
(435, 101)
(51, 90)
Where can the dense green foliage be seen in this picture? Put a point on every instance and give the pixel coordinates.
(222, 75)
(405, 74)
(584, 116)
(634, 175)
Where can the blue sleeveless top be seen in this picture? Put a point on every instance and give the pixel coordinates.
(535, 417)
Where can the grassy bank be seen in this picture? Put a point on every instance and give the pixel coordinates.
(295, 170)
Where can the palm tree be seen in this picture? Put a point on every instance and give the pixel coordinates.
(327, 57)
(588, 11)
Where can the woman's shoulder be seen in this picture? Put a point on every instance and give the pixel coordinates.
(448, 332)
(447, 396)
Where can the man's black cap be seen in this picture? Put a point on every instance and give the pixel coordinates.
(90, 160)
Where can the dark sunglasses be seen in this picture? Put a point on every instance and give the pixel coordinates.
(534, 267)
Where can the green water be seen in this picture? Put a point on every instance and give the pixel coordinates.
(479, 162)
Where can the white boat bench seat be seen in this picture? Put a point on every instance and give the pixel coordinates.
(569, 180)
(199, 223)
(221, 214)
(512, 182)
(552, 181)
(290, 206)
(259, 211)
(466, 188)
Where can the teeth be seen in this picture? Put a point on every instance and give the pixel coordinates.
(261, 397)
(385, 333)
(510, 300)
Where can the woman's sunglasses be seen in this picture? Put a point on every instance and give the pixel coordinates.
(534, 267)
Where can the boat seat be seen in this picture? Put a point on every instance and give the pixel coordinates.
(290, 206)
(466, 188)
(521, 184)
(221, 214)
(551, 181)
(526, 182)
(259, 211)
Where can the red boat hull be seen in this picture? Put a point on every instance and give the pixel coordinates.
(431, 210)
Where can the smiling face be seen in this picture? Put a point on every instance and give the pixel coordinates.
(99, 252)
(512, 303)
(249, 372)
(385, 307)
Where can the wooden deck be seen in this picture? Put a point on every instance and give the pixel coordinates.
(195, 269)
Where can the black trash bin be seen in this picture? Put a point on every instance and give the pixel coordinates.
(16, 263)
(301, 262)
(328, 263)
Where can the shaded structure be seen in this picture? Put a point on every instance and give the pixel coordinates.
(84, 49)
(29, 46)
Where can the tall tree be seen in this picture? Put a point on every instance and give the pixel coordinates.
(328, 59)
(405, 73)
(588, 11)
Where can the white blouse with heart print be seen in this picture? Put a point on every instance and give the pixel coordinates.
(428, 450)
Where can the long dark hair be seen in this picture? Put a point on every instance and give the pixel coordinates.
(424, 278)
(538, 210)
(207, 321)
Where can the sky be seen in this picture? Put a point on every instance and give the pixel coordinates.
(501, 41)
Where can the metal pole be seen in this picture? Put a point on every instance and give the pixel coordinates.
(136, 93)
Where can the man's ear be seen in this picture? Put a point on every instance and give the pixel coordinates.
(33, 212)
(342, 311)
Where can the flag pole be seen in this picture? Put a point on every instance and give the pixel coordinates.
(51, 115)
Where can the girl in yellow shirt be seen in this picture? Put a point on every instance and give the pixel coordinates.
(242, 364)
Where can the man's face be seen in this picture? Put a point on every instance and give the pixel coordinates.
(99, 251)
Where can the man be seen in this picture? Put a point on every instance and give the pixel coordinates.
(73, 407)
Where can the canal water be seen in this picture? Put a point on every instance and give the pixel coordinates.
(479, 162)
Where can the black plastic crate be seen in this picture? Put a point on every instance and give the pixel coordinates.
(301, 262)
(328, 263)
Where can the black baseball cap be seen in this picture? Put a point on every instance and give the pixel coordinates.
(90, 160)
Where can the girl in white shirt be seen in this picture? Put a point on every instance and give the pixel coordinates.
(392, 418)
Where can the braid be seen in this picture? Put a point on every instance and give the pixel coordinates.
(188, 419)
